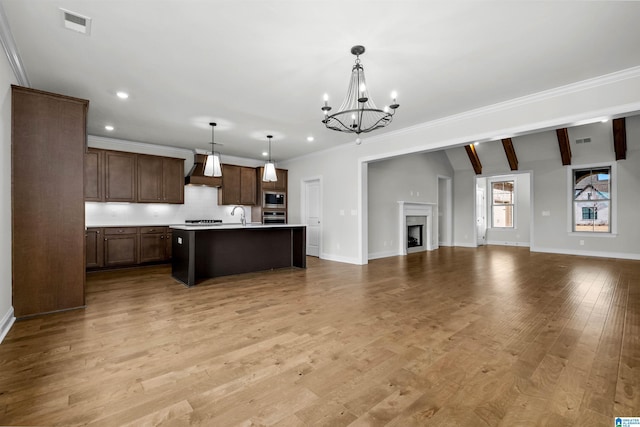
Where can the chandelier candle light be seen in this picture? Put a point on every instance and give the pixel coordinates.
(358, 113)
(212, 165)
(269, 174)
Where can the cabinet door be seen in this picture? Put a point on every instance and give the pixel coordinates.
(120, 176)
(281, 183)
(229, 193)
(93, 179)
(172, 180)
(149, 179)
(94, 256)
(152, 247)
(169, 245)
(247, 186)
(120, 247)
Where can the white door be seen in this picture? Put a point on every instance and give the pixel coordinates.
(481, 222)
(312, 211)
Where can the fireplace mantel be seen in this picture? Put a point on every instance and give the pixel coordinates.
(416, 209)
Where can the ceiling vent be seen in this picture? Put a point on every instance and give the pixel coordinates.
(583, 141)
(76, 22)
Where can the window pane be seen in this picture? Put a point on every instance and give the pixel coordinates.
(502, 216)
(592, 184)
(591, 216)
(502, 192)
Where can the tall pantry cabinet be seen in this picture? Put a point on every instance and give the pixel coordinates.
(48, 140)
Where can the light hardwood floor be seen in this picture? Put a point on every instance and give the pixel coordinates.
(454, 337)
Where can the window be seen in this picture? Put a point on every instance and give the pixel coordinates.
(502, 198)
(592, 199)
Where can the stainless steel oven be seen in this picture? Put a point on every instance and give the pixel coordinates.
(274, 217)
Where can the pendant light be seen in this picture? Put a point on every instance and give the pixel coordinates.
(212, 165)
(269, 174)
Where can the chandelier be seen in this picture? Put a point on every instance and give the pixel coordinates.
(358, 113)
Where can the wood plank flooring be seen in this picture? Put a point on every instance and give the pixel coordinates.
(494, 336)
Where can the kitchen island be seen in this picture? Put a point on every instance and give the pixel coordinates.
(203, 252)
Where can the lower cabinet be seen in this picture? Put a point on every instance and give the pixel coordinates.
(110, 247)
(120, 246)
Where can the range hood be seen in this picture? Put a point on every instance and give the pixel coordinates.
(196, 175)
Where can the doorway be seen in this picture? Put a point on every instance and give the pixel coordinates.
(311, 214)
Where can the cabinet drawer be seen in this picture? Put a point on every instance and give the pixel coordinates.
(120, 230)
(157, 229)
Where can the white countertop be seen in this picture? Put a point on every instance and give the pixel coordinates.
(233, 226)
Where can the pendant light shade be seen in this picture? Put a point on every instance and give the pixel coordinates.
(269, 174)
(212, 165)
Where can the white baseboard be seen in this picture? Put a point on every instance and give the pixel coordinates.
(620, 255)
(6, 323)
(338, 258)
(503, 243)
(465, 244)
(384, 254)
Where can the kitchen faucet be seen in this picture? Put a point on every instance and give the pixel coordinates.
(242, 219)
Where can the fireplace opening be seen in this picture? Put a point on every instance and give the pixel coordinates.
(414, 236)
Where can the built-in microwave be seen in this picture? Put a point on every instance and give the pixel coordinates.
(273, 200)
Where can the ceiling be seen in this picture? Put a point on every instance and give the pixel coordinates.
(262, 67)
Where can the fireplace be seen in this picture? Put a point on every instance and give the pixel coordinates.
(416, 223)
(415, 232)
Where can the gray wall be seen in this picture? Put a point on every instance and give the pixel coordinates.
(551, 190)
(412, 178)
(6, 308)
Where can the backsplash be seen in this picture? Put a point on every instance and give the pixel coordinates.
(200, 202)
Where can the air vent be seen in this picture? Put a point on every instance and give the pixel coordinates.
(76, 22)
(583, 141)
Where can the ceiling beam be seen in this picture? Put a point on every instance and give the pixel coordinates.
(620, 138)
(565, 148)
(473, 157)
(507, 144)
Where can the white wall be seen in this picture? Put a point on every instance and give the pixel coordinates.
(6, 308)
(345, 186)
(412, 178)
(200, 202)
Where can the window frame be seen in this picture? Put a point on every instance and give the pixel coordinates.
(490, 183)
(613, 199)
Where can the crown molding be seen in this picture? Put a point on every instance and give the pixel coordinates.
(9, 45)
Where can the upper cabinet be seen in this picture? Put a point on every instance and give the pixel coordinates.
(238, 186)
(160, 179)
(120, 176)
(279, 185)
(116, 176)
(93, 179)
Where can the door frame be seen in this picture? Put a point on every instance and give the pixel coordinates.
(303, 206)
(447, 210)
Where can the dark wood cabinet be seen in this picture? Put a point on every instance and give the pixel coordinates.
(117, 176)
(279, 185)
(127, 246)
(120, 246)
(48, 140)
(94, 175)
(153, 245)
(120, 176)
(238, 186)
(94, 248)
(149, 178)
(172, 180)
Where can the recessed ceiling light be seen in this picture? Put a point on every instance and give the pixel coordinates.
(604, 120)
(109, 128)
(122, 95)
(310, 139)
(264, 153)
